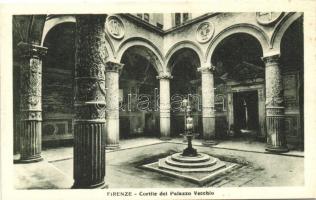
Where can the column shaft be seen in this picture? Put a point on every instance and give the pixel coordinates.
(89, 133)
(164, 106)
(276, 141)
(208, 114)
(31, 102)
(112, 104)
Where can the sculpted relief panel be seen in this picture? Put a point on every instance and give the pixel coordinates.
(115, 27)
(205, 32)
(267, 18)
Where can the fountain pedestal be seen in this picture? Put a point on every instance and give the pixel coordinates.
(190, 160)
(189, 151)
(196, 167)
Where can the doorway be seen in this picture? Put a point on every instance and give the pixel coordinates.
(246, 115)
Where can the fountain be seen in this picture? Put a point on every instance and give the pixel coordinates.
(190, 160)
(189, 164)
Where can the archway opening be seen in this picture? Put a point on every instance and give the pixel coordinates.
(57, 91)
(239, 87)
(139, 90)
(292, 67)
(186, 83)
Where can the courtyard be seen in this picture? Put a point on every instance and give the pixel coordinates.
(123, 166)
(125, 89)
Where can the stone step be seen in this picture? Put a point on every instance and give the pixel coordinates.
(202, 164)
(163, 165)
(187, 159)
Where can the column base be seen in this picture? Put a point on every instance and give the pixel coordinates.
(209, 142)
(112, 146)
(165, 138)
(95, 186)
(30, 160)
(274, 149)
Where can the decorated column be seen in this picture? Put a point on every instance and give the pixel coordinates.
(276, 141)
(208, 114)
(112, 104)
(89, 133)
(164, 106)
(31, 102)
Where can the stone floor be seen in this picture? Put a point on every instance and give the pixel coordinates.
(123, 166)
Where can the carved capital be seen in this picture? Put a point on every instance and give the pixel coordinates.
(31, 51)
(164, 76)
(271, 59)
(113, 66)
(207, 69)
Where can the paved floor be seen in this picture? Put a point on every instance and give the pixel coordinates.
(123, 171)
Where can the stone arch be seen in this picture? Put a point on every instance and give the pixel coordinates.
(181, 45)
(50, 24)
(28, 28)
(281, 28)
(146, 49)
(249, 29)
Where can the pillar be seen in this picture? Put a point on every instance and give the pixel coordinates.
(112, 104)
(276, 141)
(164, 93)
(208, 114)
(31, 102)
(89, 126)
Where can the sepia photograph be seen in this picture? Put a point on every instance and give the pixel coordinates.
(172, 104)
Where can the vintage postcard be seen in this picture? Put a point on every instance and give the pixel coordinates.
(161, 100)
